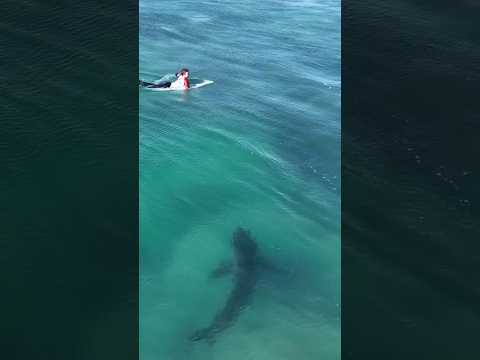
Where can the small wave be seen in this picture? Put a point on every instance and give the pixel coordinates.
(170, 30)
(200, 18)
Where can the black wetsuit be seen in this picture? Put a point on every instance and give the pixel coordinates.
(152, 85)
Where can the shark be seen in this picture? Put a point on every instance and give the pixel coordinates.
(245, 269)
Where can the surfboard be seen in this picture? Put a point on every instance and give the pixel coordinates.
(195, 85)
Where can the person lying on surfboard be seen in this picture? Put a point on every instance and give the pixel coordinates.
(182, 82)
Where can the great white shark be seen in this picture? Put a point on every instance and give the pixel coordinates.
(245, 270)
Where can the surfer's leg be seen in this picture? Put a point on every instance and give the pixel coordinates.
(144, 83)
(163, 85)
(152, 85)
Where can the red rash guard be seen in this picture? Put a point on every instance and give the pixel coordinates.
(186, 82)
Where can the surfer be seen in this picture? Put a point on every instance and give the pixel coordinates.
(182, 82)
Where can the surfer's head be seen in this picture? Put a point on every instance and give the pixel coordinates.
(184, 72)
(244, 245)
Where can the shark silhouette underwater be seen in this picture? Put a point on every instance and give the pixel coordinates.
(245, 270)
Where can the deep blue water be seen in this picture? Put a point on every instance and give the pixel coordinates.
(259, 148)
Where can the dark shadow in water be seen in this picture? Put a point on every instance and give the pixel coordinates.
(245, 270)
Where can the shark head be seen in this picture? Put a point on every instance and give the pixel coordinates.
(245, 246)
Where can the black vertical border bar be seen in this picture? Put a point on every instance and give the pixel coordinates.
(410, 170)
(69, 179)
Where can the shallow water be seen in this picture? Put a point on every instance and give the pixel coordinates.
(259, 148)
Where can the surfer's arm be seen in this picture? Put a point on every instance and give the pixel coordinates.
(222, 269)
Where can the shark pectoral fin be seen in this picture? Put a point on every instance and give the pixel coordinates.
(223, 269)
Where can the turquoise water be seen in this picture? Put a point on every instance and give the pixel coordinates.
(259, 148)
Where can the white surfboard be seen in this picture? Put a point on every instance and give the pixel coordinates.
(200, 84)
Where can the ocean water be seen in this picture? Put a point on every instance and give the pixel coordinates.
(69, 184)
(260, 149)
(410, 196)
